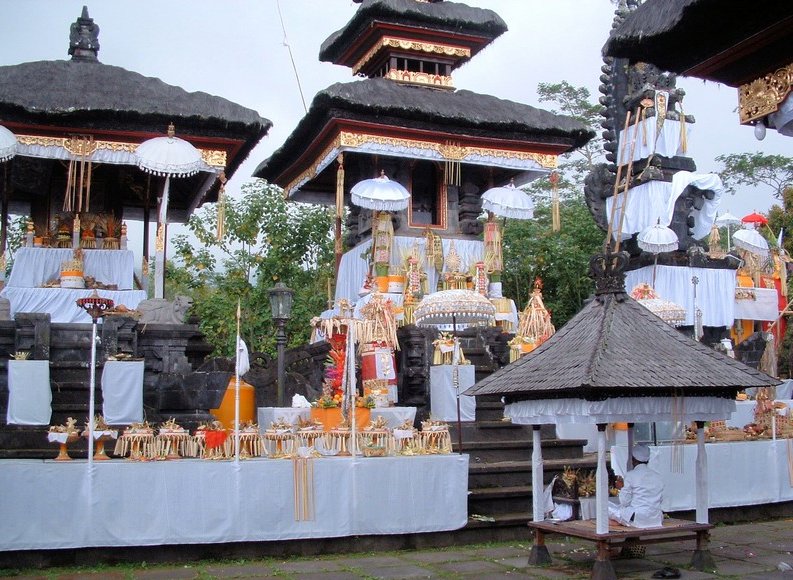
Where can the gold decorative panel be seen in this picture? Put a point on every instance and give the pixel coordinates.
(429, 48)
(763, 96)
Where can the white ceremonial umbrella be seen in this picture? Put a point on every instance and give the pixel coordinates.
(657, 239)
(172, 157)
(453, 307)
(380, 194)
(508, 201)
(8, 144)
(752, 241)
(726, 220)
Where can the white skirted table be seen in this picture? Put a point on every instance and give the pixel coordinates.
(741, 473)
(34, 267)
(443, 395)
(60, 303)
(29, 392)
(122, 392)
(258, 501)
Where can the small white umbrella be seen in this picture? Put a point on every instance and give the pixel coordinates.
(509, 202)
(8, 144)
(380, 194)
(726, 220)
(172, 157)
(752, 241)
(657, 239)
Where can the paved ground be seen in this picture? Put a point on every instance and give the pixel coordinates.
(745, 551)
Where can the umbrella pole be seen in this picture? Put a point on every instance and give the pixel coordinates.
(728, 237)
(456, 380)
(655, 265)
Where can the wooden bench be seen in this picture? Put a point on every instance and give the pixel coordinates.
(672, 530)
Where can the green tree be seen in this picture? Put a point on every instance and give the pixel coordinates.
(753, 169)
(560, 259)
(265, 240)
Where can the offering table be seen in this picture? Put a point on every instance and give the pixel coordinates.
(425, 494)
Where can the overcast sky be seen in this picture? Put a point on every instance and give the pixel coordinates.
(235, 49)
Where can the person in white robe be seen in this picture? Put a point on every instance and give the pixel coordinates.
(640, 497)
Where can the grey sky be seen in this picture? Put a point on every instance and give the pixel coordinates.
(235, 49)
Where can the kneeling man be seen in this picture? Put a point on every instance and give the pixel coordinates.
(640, 496)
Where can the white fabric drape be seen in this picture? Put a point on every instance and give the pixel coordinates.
(122, 392)
(29, 392)
(763, 306)
(617, 409)
(353, 268)
(34, 267)
(443, 395)
(254, 503)
(654, 200)
(668, 141)
(762, 477)
(60, 304)
(715, 291)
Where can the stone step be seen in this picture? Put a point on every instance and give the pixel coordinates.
(516, 473)
(490, 451)
(499, 500)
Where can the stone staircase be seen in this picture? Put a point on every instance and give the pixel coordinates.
(499, 474)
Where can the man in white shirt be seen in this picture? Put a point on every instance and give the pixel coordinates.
(640, 496)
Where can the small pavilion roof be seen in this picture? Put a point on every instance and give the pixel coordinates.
(615, 347)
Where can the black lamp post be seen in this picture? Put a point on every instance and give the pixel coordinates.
(281, 309)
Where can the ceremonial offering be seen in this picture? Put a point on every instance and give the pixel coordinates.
(375, 435)
(435, 437)
(308, 432)
(72, 274)
(211, 439)
(250, 441)
(137, 441)
(173, 441)
(63, 435)
(102, 432)
(279, 441)
(455, 307)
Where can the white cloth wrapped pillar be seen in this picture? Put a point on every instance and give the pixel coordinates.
(602, 484)
(702, 475)
(537, 496)
(629, 462)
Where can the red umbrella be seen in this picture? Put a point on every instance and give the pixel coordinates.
(755, 218)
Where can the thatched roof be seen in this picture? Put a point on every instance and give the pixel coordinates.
(75, 92)
(462, 112)
(615, 347)
(744, 40)
(442, 16)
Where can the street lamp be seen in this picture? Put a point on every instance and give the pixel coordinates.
(281, 309)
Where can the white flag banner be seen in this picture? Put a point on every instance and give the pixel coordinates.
(243, 362)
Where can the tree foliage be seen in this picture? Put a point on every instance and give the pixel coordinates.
(753, 169)
(265, 240)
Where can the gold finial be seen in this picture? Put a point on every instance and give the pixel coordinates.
(171, 130)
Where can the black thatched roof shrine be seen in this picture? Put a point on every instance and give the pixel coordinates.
(728, 41)
(455, 18)
(615, 347)
(455, 112)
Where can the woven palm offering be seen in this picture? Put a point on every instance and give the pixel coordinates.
(137, 442)
(279, 440)
(435, 437)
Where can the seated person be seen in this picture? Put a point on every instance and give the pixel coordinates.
(640, 496)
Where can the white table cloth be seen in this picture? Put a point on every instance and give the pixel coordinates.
(443, 396)
(715, 291)
(120, 503)
(353, 267)
(33, 267)
(266, 416)
(394, 416)
(756, 304)
(29, 392)
(739, 473)
(60, 303)
(122, 392)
